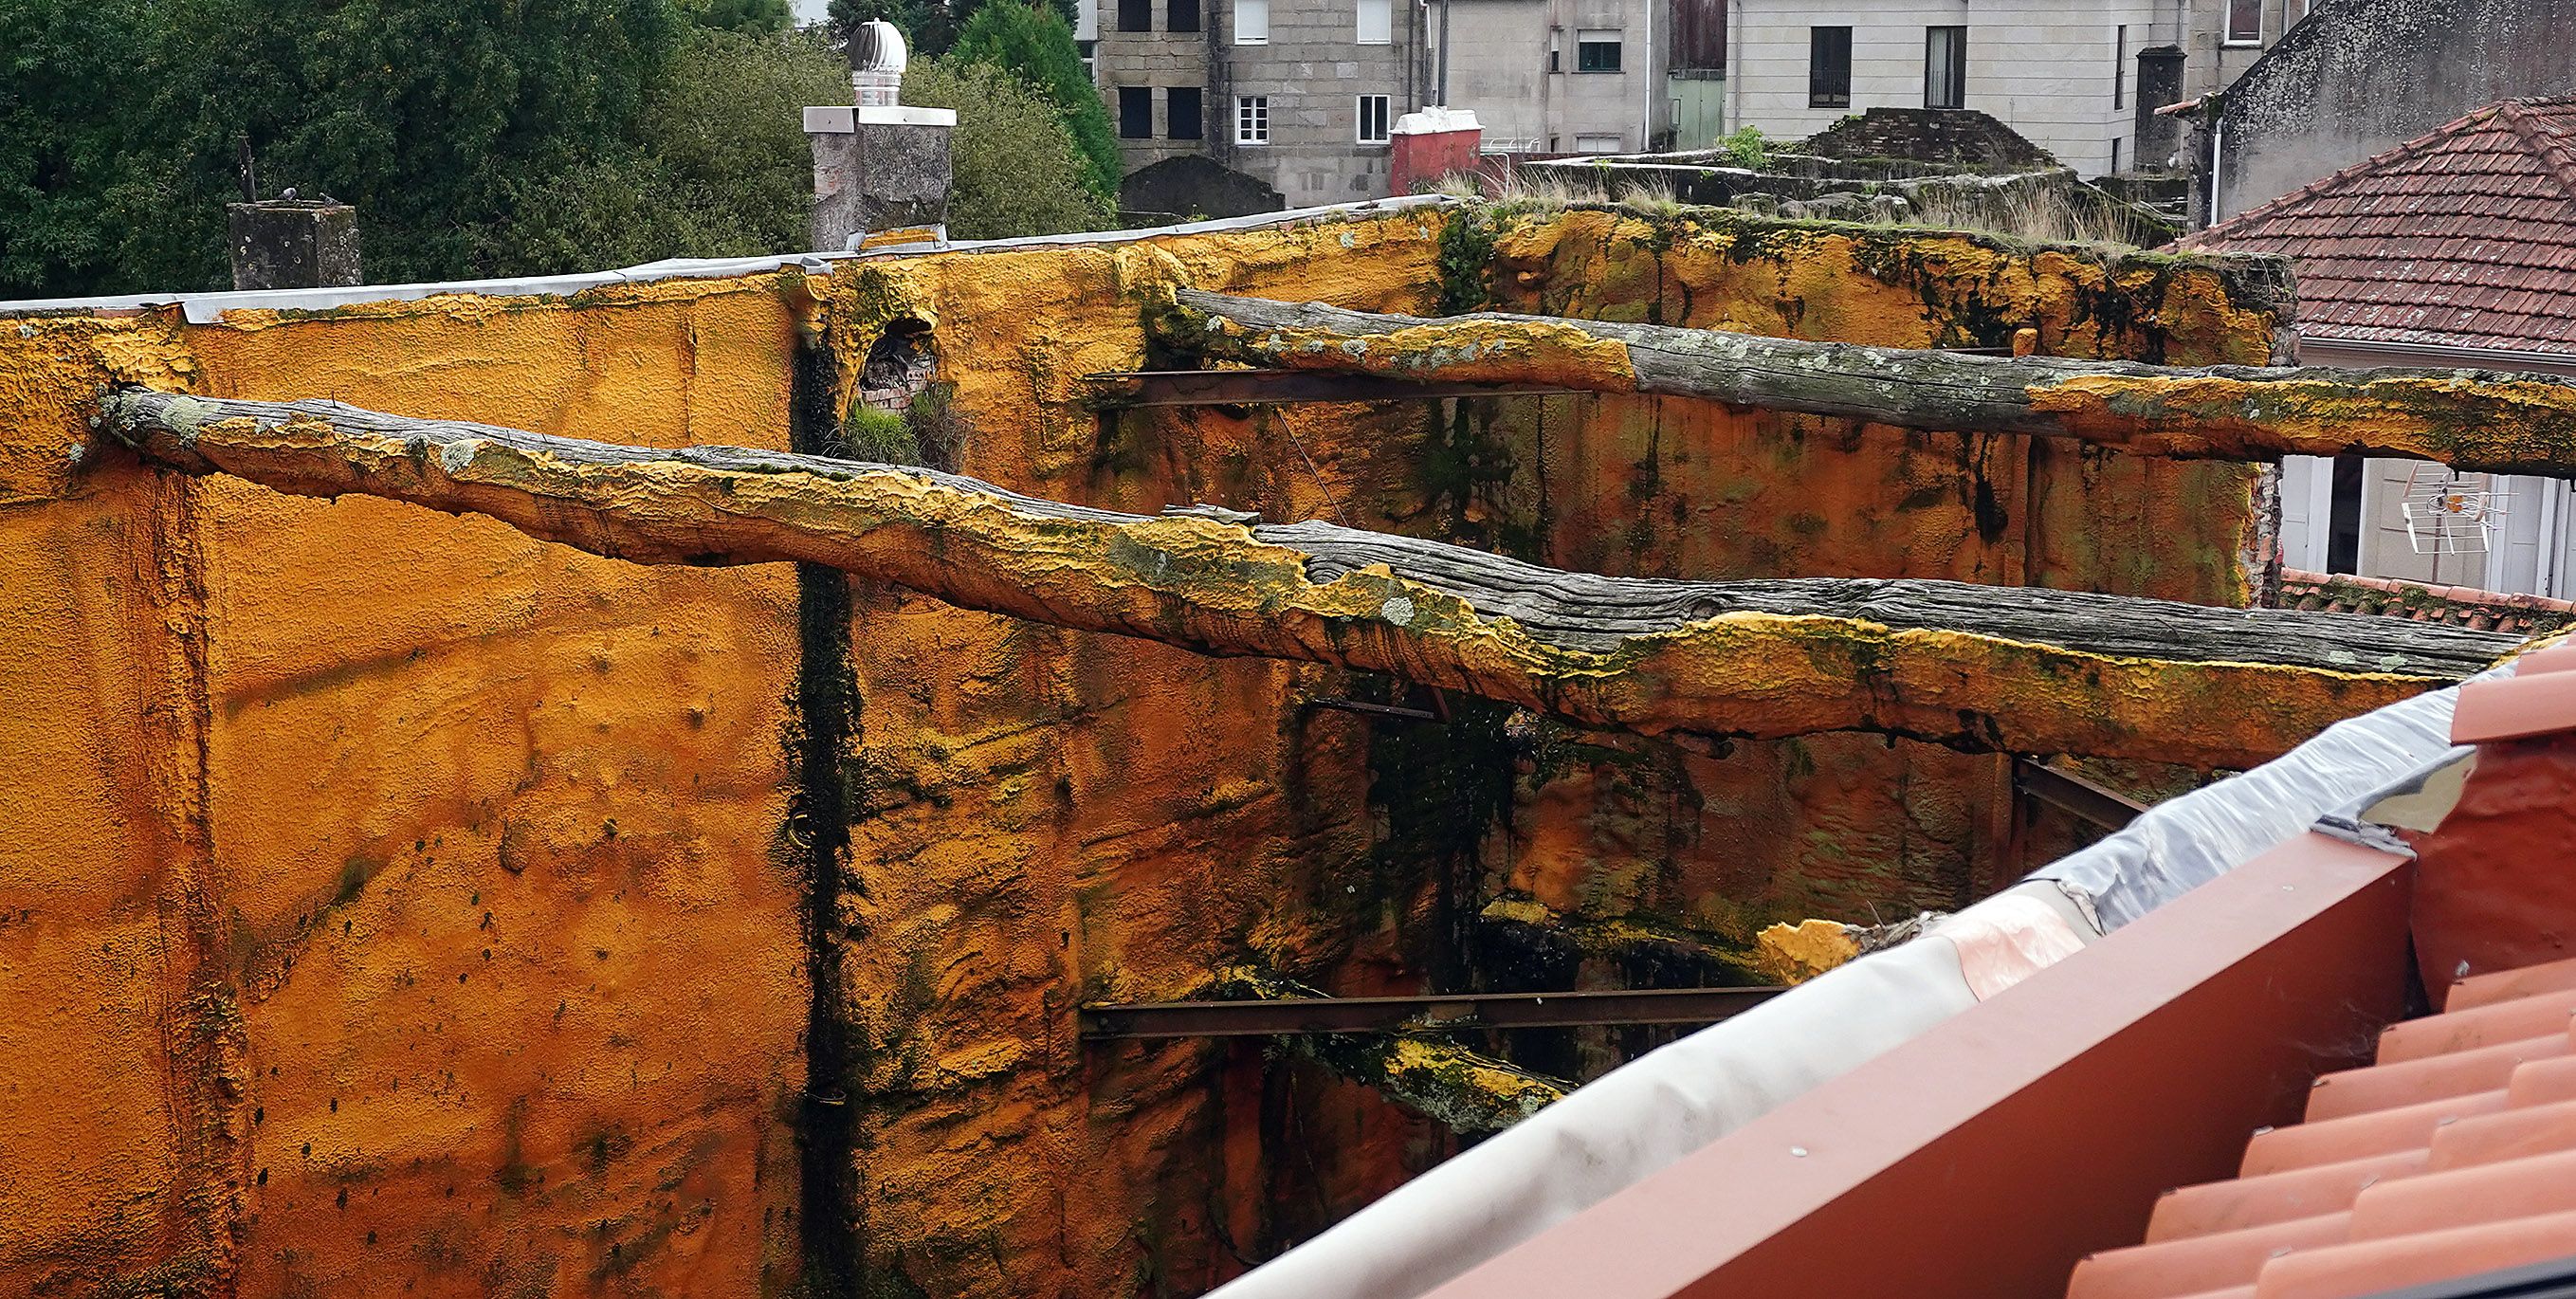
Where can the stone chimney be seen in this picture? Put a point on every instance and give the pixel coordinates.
(879, 167)
(288, 243)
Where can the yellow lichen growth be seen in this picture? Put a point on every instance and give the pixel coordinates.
(1791, 954)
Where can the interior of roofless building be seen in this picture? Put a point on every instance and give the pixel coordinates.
(1072, 767)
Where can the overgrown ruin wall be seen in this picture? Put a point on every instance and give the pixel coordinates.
(387, 895)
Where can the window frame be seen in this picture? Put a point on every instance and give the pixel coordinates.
(1252, 121)
(1584, 57)
(2227, 32)
(1385, 10)
(1820, 89)
(1129, 98)
(1953, 68)
(1618, 143)
(1172, 116)
(1237, 33)
(1385, 105)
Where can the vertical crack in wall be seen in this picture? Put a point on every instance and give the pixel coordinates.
(202, 1030)
(823, 732)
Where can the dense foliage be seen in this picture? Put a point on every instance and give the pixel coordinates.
(1016, 169)
(1033, 43)
(475, 137)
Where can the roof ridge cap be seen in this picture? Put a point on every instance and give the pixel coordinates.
(2557, 149)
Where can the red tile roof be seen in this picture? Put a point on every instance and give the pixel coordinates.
(2458, 606)
(2455, 1154)
(2463, 237)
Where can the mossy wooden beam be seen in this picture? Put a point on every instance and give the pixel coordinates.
(1985, 668)
(2472, 420)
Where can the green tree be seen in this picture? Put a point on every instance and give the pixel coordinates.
(717, 164)
(1016, 169)
(475, 137)
(929, 27)
(1033, 42)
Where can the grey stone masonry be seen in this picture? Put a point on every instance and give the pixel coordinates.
(1309, 77)
(877, 168)
(293, 244)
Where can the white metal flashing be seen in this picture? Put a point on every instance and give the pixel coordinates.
(841, 119)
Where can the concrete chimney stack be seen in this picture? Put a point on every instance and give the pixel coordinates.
(879, 167)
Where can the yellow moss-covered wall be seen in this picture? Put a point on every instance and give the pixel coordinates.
(387, 895)
(1836, 825)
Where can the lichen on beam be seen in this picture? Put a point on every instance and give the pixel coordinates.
(1465, 1090)
(1980, 668)
(2485, 421)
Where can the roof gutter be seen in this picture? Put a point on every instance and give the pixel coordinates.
(2436, 355)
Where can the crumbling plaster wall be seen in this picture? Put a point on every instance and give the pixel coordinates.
(391, 895)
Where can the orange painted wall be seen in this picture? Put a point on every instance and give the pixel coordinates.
(391, 895)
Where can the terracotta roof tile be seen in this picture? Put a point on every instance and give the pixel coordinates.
(2459, 606)
(2384, 1188)
(2463, 236)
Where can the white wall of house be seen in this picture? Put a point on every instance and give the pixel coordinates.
(2063, 75)
(1500, 66)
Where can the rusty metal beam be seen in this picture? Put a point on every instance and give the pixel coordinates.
(1117, 389)
(2074, 795)
(1298, 1015)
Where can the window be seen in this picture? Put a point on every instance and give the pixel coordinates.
(1185, 114)
(1829, 67)
(1252, 119)
(2115, 155)
(1252, 22)
(1596, 51)
(1945, 67)
(1377, 22)
(1089, 50)
(1181, 16)
(1373, 119)
(2119, 66)
(1136, 112)
(1555, 50)
(1596, 144)
(1135, 15)
(2244, 22)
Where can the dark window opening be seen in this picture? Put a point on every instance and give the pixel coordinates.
(1596, 51)
(1135, 15)
(1829, 67)
(1185, 116)
(2244, 22)
(1182, 16)
(2343, 520)
(2119, 67)
(1945, 67)
(1136, 112)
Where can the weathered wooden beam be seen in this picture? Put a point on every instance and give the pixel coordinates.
(2471, 420)
(1987, 668)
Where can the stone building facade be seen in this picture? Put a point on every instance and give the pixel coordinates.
(1296, 95)
(2067, 78)
(2361, 76)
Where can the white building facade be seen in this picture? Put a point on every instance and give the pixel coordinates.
(1560, 76)
(2063, 75)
